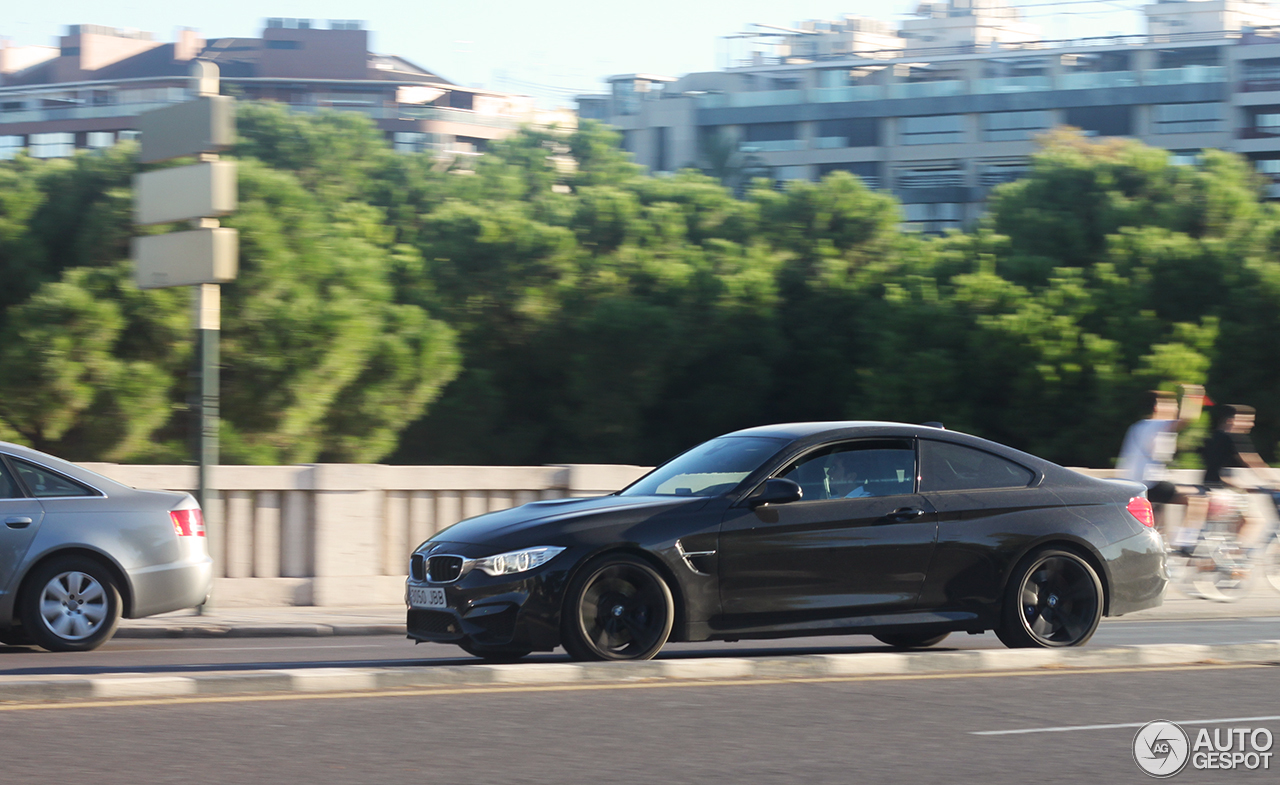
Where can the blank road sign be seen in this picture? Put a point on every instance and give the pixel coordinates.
(198, 191)
(183, 258)
(203, 125)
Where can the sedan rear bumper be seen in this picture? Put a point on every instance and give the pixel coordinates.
(1138, 573)
(170, 587)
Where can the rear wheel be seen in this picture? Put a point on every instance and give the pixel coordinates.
(912, 640)
(494, 654)
(70, 604)
(1054, 600)
(617, 608)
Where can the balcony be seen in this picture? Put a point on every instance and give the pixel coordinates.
(80, 112)
(772, 146)
(1089, 80)
(927, 89)
(1013, 84)
(1191, 74)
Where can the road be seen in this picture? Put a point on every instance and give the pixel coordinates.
(203, 654)
(917, 729)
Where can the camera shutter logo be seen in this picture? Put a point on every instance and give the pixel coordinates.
(1161, 748)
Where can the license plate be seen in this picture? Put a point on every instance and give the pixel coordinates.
(426, 597)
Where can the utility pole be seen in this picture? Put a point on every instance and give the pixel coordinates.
(204, 256)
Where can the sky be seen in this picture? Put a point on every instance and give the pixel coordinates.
(551, 49)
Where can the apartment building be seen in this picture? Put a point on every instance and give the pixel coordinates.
(947, 107)
(87, 91)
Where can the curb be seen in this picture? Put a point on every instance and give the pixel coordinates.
(323, 680)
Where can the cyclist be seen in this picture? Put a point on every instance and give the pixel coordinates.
(1150, 444)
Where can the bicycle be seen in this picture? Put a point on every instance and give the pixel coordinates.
(1218, 567)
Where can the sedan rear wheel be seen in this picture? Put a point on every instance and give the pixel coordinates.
(1054, 600)
(617, 608)
(70, 604)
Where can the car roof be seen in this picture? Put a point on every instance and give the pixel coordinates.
(68, 468)
(799, 430)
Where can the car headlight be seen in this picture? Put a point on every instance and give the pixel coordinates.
(517, 561)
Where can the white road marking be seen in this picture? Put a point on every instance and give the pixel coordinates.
(1066, 728)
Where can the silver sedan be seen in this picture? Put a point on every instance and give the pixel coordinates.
(78, 551)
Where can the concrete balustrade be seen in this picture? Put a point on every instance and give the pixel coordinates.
(341, 534)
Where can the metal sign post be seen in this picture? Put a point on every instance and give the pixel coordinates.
(202, 257)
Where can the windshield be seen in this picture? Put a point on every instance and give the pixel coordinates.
(710, 469)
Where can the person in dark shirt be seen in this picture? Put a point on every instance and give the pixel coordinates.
(1229, 447)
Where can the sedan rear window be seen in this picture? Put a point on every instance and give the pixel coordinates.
(951, 467)
(45, 484)
(710, 469)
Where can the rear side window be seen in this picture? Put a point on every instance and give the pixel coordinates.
(8, 488)
(45, 484)
(951, 467)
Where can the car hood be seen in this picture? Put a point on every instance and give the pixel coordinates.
(552, 519)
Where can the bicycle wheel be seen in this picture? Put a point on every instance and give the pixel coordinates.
(1271, 563)
(1219, 571)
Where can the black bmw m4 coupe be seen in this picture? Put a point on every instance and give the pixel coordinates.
(903, 532)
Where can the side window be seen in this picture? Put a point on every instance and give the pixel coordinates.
(8, 488)
(951, 467)
(851, 470)
(45, 484)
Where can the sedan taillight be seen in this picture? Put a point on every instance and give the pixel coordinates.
(1140, 508)
(188, 523)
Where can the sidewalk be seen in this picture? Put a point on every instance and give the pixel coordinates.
(309, 621)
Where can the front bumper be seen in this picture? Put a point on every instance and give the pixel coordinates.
(508, 611)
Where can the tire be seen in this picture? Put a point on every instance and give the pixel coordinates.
(907, 640)
(617, 608)
(1271, 563)
(1054, 599)
(494, 655)
(70, 604)
(16, 636)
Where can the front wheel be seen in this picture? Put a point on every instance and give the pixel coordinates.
(70, 604)
(1054, 600)
(617, 608)
(912, 640)
(1271, 563)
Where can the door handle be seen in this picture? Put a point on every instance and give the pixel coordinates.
(904, 514)
(17, 521)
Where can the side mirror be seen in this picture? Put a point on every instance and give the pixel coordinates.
(775, 491)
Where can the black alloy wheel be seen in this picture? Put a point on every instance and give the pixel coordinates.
(494, 654)
(907, 640)
(617, 608)
(1054, 600)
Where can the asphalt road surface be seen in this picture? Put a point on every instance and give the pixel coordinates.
(202, 654)
(897, 729)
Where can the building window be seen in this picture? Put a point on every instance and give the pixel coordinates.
(1102, 120)
(284, 44)
(771, 138)
(948, 176)
(1187, 118)
(853, 132)
(1267, 166)
(100, 139)
(130, 136)
(662, 151)
(1185, 157)
(933, 218)
(10, 146)
(59, 145)
(411, 142)
(933, 129)
(1014, 126)
(992, 174)
(12, 106)
(868, 171)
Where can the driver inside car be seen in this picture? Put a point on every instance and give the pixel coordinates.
(842, 478)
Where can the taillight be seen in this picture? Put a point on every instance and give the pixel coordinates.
(188, 523)
(1140, 508)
